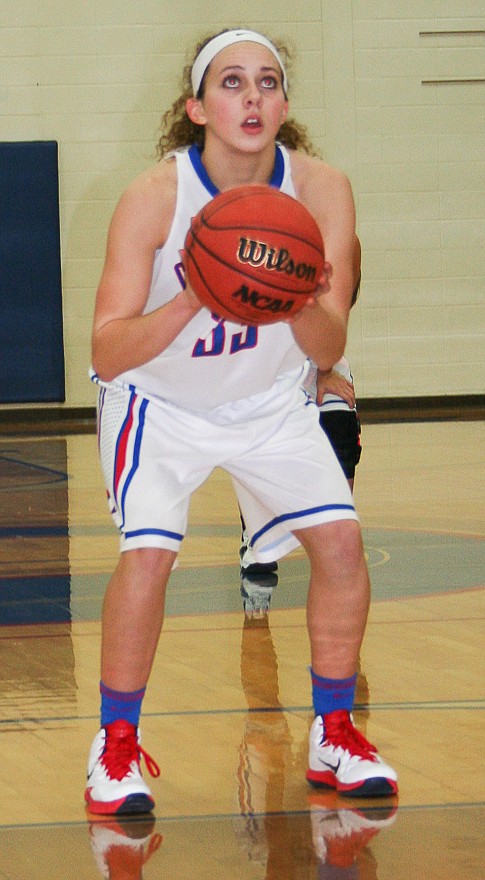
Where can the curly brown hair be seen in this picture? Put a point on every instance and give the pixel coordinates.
(178, 131)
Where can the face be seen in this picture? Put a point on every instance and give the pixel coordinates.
(244, 103)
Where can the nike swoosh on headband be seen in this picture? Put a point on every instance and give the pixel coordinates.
(228, 38)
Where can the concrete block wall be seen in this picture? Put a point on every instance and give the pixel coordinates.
(369, 81)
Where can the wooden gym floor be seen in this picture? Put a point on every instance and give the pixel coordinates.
(227, 710)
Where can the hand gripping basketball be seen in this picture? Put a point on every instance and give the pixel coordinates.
(254, 255)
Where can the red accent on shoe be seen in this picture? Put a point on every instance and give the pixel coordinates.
(109, 808)
(339, 731)
(322, 777)
(122, 748)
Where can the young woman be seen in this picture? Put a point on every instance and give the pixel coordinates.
(182, 392)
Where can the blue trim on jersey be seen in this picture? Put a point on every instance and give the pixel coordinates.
(195, 156)
(136, 455)
(299, 514)
(167, 534)
(278, 169)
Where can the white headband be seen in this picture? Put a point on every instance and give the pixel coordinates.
(217, 44)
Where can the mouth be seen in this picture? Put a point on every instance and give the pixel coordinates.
(252, 124)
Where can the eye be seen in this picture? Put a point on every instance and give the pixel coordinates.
(231, 81)
(269, 82)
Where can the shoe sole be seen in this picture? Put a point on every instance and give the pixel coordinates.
(133, 804)
(259, 568)
(378, 786)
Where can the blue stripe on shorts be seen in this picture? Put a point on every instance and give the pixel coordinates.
(298, 514)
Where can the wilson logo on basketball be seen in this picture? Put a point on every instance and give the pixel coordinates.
(258, 253)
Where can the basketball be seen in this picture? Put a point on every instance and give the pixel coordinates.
(254, 255)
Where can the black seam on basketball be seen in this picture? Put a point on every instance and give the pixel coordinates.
(214, 206)
(214, 296)
(250, 278)
(258, 230)
(241, 272)
(223, 306)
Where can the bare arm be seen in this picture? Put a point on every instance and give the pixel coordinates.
(321, 329)
(124, 338)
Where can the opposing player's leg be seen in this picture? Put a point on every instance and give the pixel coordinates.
(342, 428)
(337, 607)
(248, 565)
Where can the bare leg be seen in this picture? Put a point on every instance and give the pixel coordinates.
(338, 602)
(338, 596)
(133, 613)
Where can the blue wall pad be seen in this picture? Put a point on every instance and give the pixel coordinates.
(31, 337)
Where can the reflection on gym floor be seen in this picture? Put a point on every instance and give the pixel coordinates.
(227, 710)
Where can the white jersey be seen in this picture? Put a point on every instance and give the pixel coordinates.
(212, 364)
(330, 401)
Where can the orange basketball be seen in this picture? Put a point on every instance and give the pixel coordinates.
(254, 255)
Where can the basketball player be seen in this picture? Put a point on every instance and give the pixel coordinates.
(334, 393)
(182, 392)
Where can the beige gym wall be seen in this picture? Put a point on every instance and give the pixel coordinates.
(392, 92)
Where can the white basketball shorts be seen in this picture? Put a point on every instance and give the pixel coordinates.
(155, 455)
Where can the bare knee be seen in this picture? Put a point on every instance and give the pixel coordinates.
(147, 565)
(337, 546)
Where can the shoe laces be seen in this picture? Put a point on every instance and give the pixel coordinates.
(122, 748)
(340, 731)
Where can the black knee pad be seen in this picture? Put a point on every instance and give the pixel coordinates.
(342, 428)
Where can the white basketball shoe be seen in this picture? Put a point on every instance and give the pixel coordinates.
(115, 784)
(340, 757)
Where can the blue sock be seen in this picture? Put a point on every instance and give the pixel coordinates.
(330, 694)
(120, 704)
